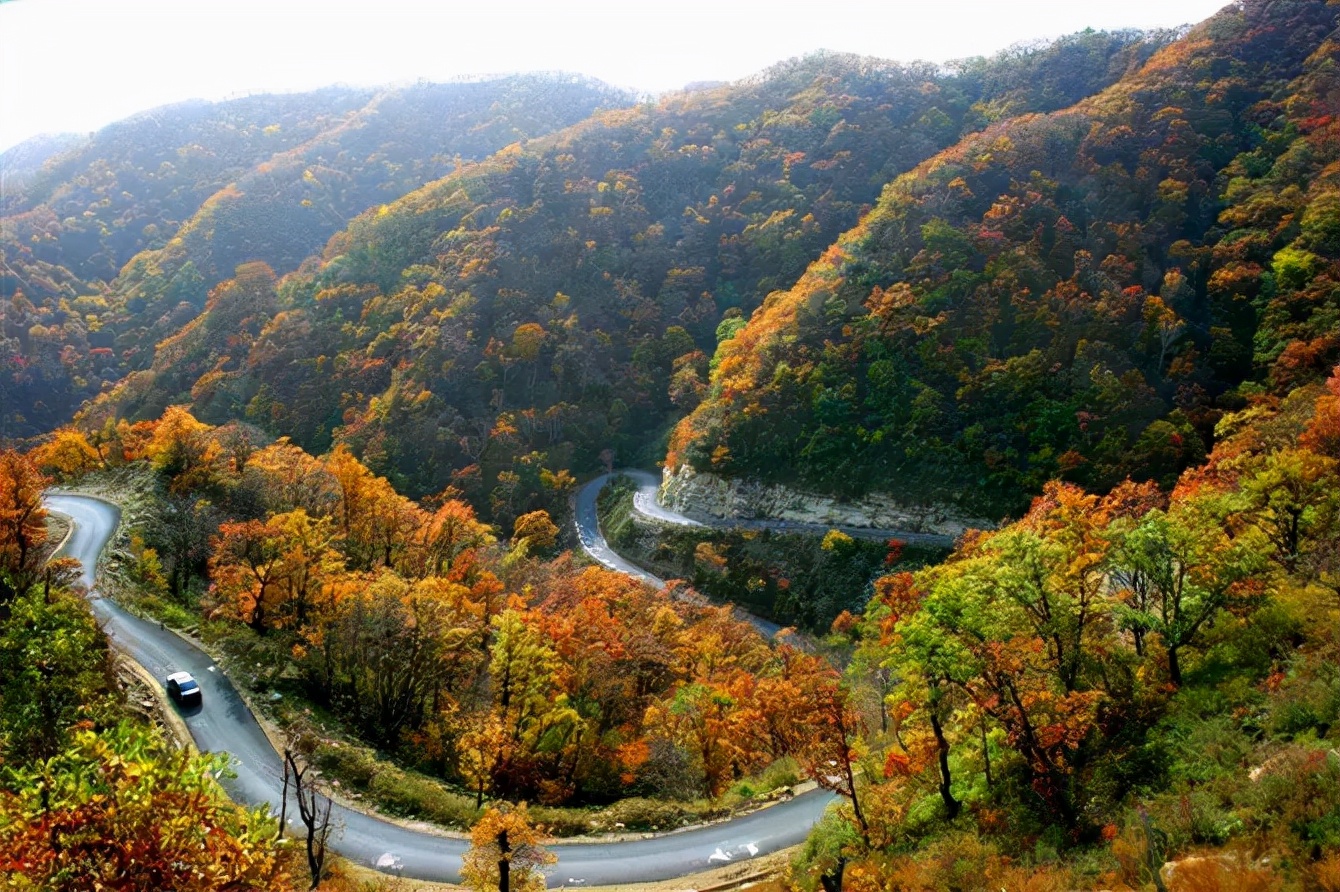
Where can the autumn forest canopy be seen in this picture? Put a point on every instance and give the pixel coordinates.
(345, 358)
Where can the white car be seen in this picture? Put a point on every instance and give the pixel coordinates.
(184, 689)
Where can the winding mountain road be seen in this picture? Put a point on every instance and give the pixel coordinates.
(224, 724)
(646, 502)
(588, 523)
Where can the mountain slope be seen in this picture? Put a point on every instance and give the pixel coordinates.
(93, 208)
(201, 187)
(523, 314)
(283, 210)
(21, 163)
(1075, 294)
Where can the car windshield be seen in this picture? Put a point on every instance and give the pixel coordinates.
(188, 686)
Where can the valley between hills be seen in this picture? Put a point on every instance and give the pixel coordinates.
(987, 532)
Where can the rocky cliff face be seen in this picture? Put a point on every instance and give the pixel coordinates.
(709, 496)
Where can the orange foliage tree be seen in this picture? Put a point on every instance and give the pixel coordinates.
(122, 811)
(22, 524)
(277, 573)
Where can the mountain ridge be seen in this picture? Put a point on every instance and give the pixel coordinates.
(121, 199)
(534, 304)
(1096, 226)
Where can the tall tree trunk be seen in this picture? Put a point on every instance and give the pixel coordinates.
(856, 805)
(952, 805)
(986, 755)
(314, 818)
(1048, 780)
(283, 800)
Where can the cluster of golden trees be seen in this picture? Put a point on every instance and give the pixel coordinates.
(513, 673)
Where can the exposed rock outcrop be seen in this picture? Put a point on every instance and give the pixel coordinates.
(701, 495)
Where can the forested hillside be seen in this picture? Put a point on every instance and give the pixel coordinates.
(23, 162)
(283, 210)
(201, 187)
(480, 656)
(523, 315)
(1077, 295)
(1134, 690)
(1090, 289)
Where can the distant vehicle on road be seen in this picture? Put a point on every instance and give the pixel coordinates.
(184, 689)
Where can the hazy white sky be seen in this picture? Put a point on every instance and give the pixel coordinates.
(75, 65)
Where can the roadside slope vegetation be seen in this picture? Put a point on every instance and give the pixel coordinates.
(1131, 691)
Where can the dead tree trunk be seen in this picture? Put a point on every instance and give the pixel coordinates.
(314, 810)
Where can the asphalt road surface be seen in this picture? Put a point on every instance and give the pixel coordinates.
(223, 723)
(588, 524)
(644, 501)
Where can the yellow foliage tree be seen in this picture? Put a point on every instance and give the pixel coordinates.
(536, 530)
(288, 478)
(182, 448)
(377, 522)
(67, 454)
(505, 853)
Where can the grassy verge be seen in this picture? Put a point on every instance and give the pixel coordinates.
(408, 794)
(57, 529)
